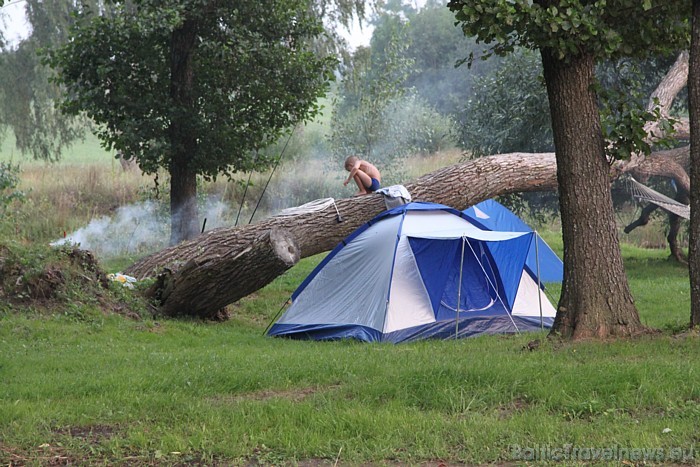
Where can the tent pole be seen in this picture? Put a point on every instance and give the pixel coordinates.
(498, 295)
(539, 292)
(459, 289)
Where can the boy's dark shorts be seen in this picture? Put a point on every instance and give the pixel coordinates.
(375, 185)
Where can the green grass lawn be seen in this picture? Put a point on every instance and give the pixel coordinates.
(111, 390)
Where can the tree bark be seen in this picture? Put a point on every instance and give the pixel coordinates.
(201, 287)
(694, 110)
(184, 217)
(596, 301)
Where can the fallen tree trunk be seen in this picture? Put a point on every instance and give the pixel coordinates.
(458, 186)
(200, 276)
(204, 285)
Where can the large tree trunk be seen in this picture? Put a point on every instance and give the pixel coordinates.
(197, 275)
(694, 107)
(596, 301)
(184, 222)
(204, 286)
(459, 186)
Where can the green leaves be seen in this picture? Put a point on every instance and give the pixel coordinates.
(607, 29)
(252, 76)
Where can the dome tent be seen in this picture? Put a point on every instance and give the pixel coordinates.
(491, 215)
(419, 271)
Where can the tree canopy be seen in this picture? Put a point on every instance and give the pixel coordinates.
(194, 86)
(252, 78)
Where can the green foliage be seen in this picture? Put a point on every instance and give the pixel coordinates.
(623, 99)
(623, 120)
(509, 110)
(9, 180)
(252, 78)
(26, 95)
(603, 28)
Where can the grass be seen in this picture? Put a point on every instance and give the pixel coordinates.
(87, 151)
(114, 390)
(81, 385)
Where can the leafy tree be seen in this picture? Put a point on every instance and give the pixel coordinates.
(571, 35)
(508, 109)
(9, 181)
(193, 86)
(434, 46)
(367, 89)
(26, 95)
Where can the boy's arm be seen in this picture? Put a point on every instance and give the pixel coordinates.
(354, 170)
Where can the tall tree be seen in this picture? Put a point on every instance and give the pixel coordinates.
(26, 94)
(571, 35)
(694, 110)
(194, 86)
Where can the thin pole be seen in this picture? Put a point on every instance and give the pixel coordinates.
(270, 178)
(537, 260)
(459, 290)
(498, 295)
(274, 318)
(245, 191)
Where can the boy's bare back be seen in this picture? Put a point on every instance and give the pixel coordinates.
(370, 170)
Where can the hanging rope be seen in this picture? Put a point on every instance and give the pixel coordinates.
(312, 206)
(646, 194)
(271, 174)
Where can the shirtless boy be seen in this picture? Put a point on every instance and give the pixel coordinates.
(366, 175)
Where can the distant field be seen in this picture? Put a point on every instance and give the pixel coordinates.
(88, 151)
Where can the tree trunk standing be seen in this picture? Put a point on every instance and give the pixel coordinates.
(596, 301)
(694, 110)
(184, 223)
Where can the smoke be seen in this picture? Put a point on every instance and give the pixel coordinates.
(139, 228)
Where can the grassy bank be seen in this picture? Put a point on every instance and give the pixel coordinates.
(108, 389)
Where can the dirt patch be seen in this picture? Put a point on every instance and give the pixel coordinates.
(91, 433)
(517, 405)
(294, 395)
(61, 280)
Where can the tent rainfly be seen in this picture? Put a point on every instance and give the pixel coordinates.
(492, 215)
(418, 271)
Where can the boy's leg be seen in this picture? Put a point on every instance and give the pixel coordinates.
(365, 180)
(360, 186)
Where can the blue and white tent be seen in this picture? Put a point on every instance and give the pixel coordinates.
(419, 271)
(491, 215)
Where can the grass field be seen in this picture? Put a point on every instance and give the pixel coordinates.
(84, 386)
(111, 390)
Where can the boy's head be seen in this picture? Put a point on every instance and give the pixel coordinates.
(350, 162)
